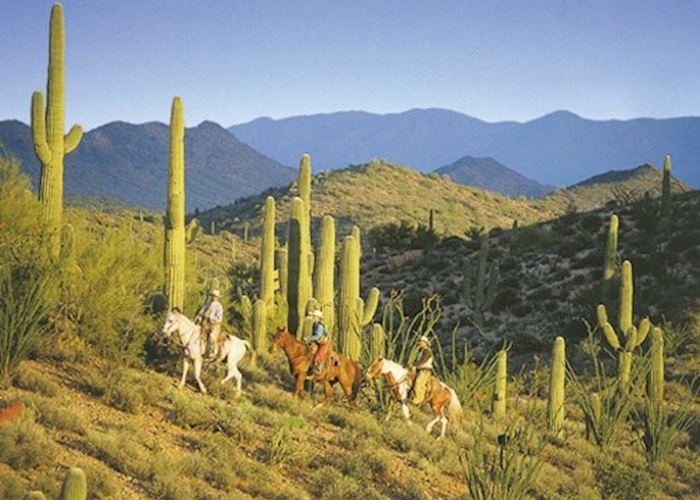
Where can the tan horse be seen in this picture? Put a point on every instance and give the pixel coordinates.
(339, 368)
(442, 399)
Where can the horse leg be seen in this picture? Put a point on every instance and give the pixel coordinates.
(404, 410)
(239, 381)
(328, 389)
(431, 424)
(389, 407)
(185, 368)
(198, 374)
(444, 427)
(299, 386)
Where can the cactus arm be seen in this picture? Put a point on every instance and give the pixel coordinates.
(72, 139)
(41, 147)
(642, 331)
(631, 342)
(626, 297)
(370, 307)
(611, 337)
(192, 230)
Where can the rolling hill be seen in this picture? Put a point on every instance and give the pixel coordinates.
(560, 148)
(491, 175)
(130, 162)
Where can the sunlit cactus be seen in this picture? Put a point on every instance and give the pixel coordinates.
(656, 374)
(666, 183)
(324, 286)
(50, 143)
(260, 338)
(555, 407)
(377, 342)
(74, 485)
(267, 254)
(498, 406)
(298, 279)
(175, 217)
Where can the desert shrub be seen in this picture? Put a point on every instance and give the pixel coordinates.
(591, 223)
(24, 444)
(330, 483)
(618, 480)
(11, 485)
(169, 477)
(120, 450)
(50, 413)
(101, 482)
(31, 380)
(530, 237)
(400, 237)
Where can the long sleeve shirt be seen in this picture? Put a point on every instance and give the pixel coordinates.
(425, 359)
(212, 311)
(318, 332)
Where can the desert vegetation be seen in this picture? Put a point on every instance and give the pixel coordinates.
(571, 337)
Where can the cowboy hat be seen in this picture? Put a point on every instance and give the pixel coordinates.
(317, 313)
(214, 293)
(424, 339)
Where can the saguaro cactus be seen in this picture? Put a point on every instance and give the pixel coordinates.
(260, 338)
(299, 275)
(632, 335)
(555, 407)
(74, 485)
(479, 284)
(175, 217)
(656, 375)
(355, 314)
(247, 313)
(281, 265)
(377, 342)
(499, 393)
(304, 186)
(324, 285)
(666, 182)
(609, 262)
(267, 254)
(50, 143)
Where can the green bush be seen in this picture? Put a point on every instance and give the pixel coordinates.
(618, 480)
(24, 444)
(33, 381)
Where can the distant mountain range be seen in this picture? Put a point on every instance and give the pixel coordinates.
(130, 162)
(560, 148)
(491, 175)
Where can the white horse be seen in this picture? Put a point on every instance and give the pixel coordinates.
(444, 401)
(233, 351)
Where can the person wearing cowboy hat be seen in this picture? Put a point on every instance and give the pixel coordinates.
(424, 367)
(319, 337)
(211, 315)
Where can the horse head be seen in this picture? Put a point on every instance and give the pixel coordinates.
(171, 322)
(280, 339)
(375, 369)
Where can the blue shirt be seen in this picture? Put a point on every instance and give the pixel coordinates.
(318, 332)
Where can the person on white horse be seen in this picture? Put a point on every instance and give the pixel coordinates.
(424, 368)
(210, 316)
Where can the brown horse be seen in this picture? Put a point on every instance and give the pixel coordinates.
(339, 369)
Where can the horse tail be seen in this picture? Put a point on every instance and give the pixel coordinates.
(454, 409)
(251, 351)
(356, 382)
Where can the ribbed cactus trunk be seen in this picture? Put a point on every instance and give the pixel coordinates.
(281, 265)
(355, 314)
(260, 337)
(666, 183)
(50, 143)
(74, 485)
(298, 279)
(304, 182)
(267, 254)
(499, 393)
(626, 298)
(656, 375)
(555, 407)
(377, 342)
(324, 285)
(609, 268)
(175, 217)
(247, 313)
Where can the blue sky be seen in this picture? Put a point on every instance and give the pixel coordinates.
(232, 61)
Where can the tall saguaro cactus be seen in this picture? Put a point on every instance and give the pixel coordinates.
(355, 314)
(479, 284)
(499, 393)
(609, 264)
(632, 335)
(175, 218)
(74, 485)
(666, 183)
(656, 375)
(267, 254)
(324, 286)
(299, 274)
(555, 407)
(260, 338)
(50, 143)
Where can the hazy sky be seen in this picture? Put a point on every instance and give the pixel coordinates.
(233, 61)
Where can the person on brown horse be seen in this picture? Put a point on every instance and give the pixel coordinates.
(319, 342)
(210, 316)
(424, 368)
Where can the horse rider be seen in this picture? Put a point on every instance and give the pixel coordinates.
(424, 367)
(211, 315)
(319, 338)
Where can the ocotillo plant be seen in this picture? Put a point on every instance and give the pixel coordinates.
(655, 388)
(175, 217)
(610, 259)
(555, 407)
(666, 183)
(267, 254)
(74, 485)
(355, 314)
(499, 391)
(299, 274)
(632, 335)
(50, 143)
(260, 338)
(324, 285)
(480, 283)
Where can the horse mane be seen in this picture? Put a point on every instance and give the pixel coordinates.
(394, 365)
